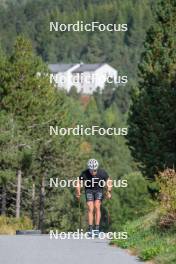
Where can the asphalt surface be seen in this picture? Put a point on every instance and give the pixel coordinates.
(40, 249)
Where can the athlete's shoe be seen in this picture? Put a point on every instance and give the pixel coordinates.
(90, 233)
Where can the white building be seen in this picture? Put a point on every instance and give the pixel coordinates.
(85, 77)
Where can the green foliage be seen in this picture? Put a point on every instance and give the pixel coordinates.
(40, 155)
(112, 149)
(150, 252)
(122, 50)
(147, 242)
(152, 115)
(29, 105)
(9, 225)
(130, 202)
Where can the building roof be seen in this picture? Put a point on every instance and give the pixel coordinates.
(88, 67)
(60, 67)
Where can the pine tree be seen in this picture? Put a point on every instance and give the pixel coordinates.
(152, 135)
(31, 104)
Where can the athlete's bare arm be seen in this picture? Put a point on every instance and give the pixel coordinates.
(109, 188)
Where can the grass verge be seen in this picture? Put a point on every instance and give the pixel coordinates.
(9, 225)
(147, 241)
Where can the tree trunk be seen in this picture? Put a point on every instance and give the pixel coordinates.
(4, 195)
(33, 201)
(18, 195)
(42, 204)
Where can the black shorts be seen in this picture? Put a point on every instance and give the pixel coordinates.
(92, 195)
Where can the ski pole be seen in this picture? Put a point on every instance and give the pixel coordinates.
(79, 206)
(108, 212)
(108, 215)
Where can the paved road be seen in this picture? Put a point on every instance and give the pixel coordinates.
(41, 250)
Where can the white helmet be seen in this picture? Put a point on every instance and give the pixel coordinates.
(92, 164)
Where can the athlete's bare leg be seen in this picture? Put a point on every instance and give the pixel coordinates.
(90, 210)
(97, 206)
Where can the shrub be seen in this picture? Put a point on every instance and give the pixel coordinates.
(9, 225)
(149, 253)
(167, 196)
(131, 202)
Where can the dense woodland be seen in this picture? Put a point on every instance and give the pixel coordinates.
(122, 50)
(29, 105)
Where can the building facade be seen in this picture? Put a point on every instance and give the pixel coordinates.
(85, 77)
